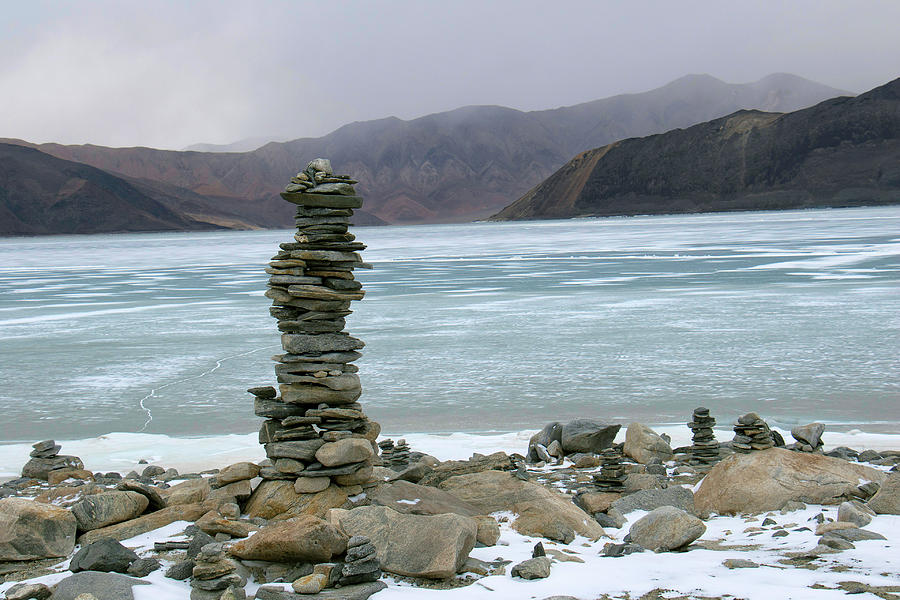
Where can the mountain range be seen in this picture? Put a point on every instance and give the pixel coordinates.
(460, 165)
(841, 152)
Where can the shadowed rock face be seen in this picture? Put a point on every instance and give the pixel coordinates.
(841, 152)
(458, 166)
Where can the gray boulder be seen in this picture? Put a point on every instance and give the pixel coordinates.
(887, 500)
(674, 495)
(430, 546)
(585, 435)
(533, 568)
(855, 512)
(30, 530)
(103, 586)
(643, 444)
(410, 498)
(810, 434)
(108, 508)
(666, 528)
(39, 468)
(552, 432)
(106, 555)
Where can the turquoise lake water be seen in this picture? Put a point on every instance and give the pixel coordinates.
(475, 327)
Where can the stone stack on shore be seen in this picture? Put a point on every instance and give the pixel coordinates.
(46, 458)
(704, 447)
(611, 477)
(751, 433)
(316, 431)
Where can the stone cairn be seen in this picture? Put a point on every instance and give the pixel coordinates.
(316, 432)
(704, 447)
(213, 573)
(611, 477)
(360, 565)
(751, 433)
(46, 458)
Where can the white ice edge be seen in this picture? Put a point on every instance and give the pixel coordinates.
(122, 451)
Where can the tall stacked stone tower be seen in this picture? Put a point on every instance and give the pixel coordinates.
(316, 432)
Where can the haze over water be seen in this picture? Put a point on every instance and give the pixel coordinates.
(473, 327)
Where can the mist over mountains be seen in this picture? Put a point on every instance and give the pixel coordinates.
(459, 165)
(841, 152)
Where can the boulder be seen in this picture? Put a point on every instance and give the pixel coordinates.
(595, 502)
(585, 435)
(410, 498)
(301, 539)
(106, 554)
(277, 499)
(102, 586)
(57, 476)
(430, 546)
(666, 528)
(541, 511)
(636, 482)
(108, 508)
(477, 464)
(237, 490)
(533, 568)
(344, 452)
(186, 492)
(236, 472)
(39, 468)
(488, 530)
(152, 494)
(213, 523)
(643, 444)
(311, 485)
(146, 523)
(359, 591)
(31, 530)
(768, 479)
(887, 500)
(28, 591)
(674, 495)
(810, 434)
(856, 513)
(552, 432)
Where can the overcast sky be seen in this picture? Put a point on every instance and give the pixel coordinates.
(169, 74)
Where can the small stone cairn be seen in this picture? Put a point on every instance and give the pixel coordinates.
(704, 447)
(751, 433)
(46, 457)
(316, 432)
(387, 451)
(213, 573)
(611, 477)
(360, 564)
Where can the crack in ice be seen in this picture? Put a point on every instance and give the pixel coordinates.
(153, 391)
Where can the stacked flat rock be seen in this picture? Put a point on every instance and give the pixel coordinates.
(311, 284)
(361, 564)
(400, 455)
(387, 451)
(704, 447)
(751, 433)
(611, 477)
(46, 457)
(213, 573)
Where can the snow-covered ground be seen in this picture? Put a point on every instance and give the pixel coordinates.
(122, 451)
(697, 572)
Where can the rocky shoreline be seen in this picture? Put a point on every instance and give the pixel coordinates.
(222, 534)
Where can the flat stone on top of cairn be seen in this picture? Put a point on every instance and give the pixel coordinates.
(311, 284)
(705, 448)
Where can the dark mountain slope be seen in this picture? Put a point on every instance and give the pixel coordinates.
(841, 152)
(41, 194)
(455, 166)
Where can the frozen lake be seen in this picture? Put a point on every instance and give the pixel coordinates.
(475, 327)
